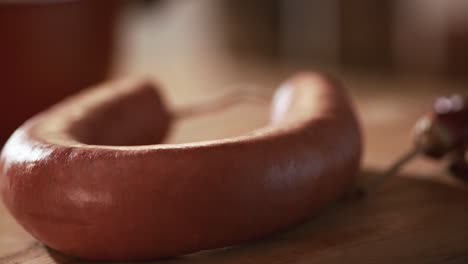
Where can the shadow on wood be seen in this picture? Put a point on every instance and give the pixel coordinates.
(406, 221)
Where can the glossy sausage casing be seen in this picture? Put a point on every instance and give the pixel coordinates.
(67, 179)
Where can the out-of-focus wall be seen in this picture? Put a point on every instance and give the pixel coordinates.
(432, 36)
(419, 31)
(309, 31)
(419, 36)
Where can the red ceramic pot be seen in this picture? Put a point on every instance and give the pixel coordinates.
(48, 50)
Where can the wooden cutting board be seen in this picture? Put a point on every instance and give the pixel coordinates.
(419, 217)
(407, 221)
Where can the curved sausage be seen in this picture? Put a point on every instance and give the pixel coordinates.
(88, 178)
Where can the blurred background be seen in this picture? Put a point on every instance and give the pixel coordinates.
(394, 56)
(394, 37)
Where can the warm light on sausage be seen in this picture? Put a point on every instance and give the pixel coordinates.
(88, 177)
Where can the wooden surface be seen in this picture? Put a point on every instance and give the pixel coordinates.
(421, 216)
(409, 221)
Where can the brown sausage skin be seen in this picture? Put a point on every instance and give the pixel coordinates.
(76, 189)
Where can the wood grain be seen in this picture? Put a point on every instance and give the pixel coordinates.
(407, 221)
(419, 217)
(414, 218)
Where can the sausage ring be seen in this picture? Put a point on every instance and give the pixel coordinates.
(87, 177)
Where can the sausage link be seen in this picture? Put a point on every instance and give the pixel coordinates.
(88, 178)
